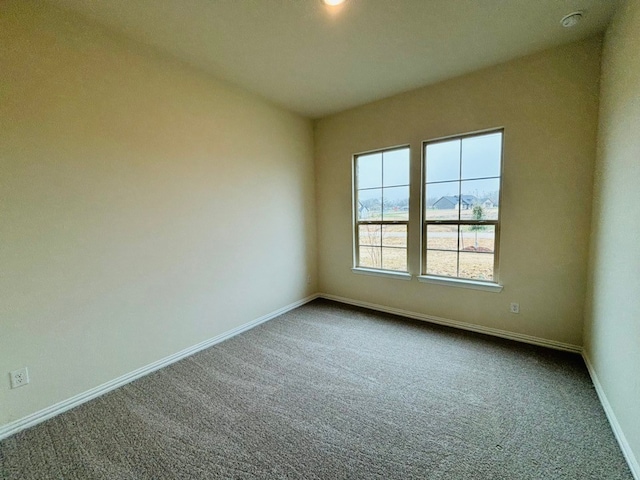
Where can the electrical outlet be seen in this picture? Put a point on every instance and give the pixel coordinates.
(19, 377)
(514, 308)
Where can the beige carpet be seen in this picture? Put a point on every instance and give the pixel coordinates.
(330, 392)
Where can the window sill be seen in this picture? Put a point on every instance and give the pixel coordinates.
(456, 282)
(382, 273)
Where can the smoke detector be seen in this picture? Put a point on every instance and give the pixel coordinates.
(572, 19)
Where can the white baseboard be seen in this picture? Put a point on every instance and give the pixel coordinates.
(56, 409)
(613, 421)
(461, 325)
(629, 456)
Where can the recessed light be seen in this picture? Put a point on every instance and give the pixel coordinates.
(333, 3)
(572, 19)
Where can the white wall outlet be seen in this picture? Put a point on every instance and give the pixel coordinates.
(19, 377)
(514, 308)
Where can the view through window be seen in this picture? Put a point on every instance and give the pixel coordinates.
(381, 209)
(461, 206)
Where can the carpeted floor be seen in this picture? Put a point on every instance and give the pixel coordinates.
(328, 392)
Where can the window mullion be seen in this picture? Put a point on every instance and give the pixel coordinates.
(459, 208)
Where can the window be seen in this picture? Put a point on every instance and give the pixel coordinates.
(381, 209)
(461, 199)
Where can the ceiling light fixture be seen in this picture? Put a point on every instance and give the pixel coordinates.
(333, 3)
(572, 19)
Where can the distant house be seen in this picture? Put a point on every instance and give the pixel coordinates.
(449, 202)
(487, 203)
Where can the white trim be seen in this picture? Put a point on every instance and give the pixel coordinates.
(629, 456)
(519, 337)
(457, 282)
(381, 273)
(60, 407)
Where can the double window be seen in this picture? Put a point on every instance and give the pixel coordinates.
(460, 201)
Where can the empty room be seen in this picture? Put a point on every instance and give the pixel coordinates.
(319, 239)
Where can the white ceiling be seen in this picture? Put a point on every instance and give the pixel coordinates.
(317, 60)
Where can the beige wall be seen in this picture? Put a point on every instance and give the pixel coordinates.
(612, 327)
(548, 105)
(144, 207)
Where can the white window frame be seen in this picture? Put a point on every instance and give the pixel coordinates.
(488, 285)
(397, 274)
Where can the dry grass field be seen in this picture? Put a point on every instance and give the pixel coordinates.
(451, 251)
(470, 253)
(383, 246)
